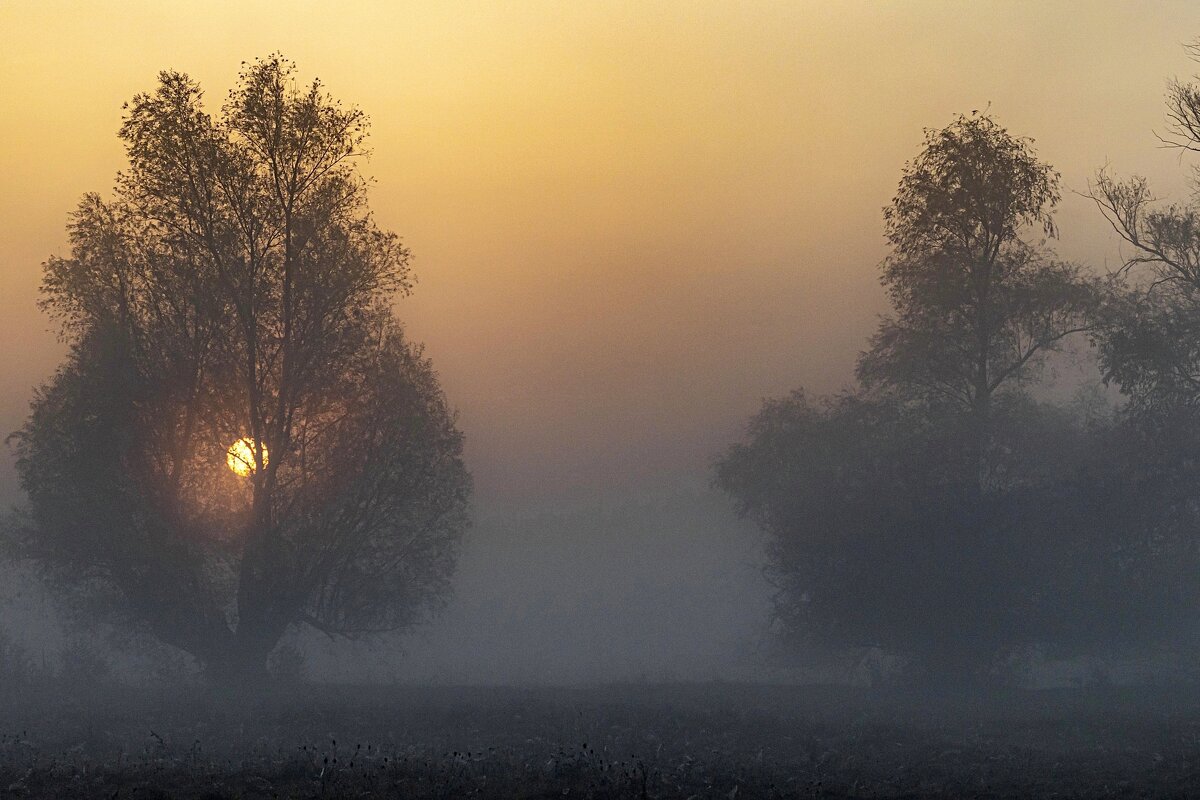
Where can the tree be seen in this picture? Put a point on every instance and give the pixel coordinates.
(1147, 333)
(233, 300)
(906, 514)
(1149, 336)
(976, 307)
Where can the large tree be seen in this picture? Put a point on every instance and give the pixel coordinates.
(241, 439)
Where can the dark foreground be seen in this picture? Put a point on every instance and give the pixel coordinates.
(715, 740)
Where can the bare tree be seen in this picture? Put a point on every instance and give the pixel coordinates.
(230, 307)
(1149, 336)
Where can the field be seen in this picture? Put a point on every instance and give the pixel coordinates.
(653, 741)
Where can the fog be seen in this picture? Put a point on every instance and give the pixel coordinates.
(629, 227)
(735, 439)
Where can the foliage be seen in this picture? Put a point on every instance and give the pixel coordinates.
(876, 541)
(1147, 334)
(1149, 338)
(238, 286)
(1123, 579)
(923, 513)
(975, 306)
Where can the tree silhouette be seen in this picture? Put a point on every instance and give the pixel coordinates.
(237, 288)
(913, 513)
(1149, 336)
(976, 306)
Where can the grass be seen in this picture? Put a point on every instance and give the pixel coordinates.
(713, 740)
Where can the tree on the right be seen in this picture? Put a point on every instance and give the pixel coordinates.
(1149, 335)
(916, 513)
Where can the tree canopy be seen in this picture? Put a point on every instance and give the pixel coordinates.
(976, 304)
(237, 287)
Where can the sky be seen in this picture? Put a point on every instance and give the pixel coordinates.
(631, 221)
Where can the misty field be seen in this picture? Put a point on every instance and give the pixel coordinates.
(712, 740)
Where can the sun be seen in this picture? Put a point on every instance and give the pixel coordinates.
(240, 456)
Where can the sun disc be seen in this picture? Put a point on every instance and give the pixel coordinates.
(240, 456)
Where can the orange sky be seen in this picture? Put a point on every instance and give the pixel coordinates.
(631, 221)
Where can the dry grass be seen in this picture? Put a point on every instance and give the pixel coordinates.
(720, 741)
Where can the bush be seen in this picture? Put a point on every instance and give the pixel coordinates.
(1080, 540)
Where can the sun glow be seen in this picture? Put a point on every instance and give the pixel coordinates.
(240, 456)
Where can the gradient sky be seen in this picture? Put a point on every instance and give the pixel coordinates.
(631, 221)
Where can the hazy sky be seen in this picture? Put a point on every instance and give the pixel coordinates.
(631, 221)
